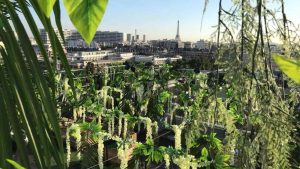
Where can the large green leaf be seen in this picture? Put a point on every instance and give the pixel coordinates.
(86, 15)
(46, 6)
(290, 67)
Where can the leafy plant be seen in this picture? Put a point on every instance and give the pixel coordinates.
(204, 155)
(221, 160)
(289, 66)
(27, 97)
(26, 101)
(15, 164)
(46, 6)
(92, 129)
(86, 15)
(150, 152)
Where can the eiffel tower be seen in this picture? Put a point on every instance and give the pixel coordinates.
(177, 37)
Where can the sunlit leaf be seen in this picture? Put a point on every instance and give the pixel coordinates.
(46, 6)
(86, 15)
(15, 164)
(204, 152)
(290, 67)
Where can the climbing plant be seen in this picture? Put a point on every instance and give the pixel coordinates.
(264, 134)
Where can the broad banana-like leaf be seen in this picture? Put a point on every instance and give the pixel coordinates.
(86, 15)
(46, 6)
(290, 67)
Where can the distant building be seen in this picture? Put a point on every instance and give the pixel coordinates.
(110, 37)
(37, 50)
(189, 45)
(203, 44)
(156, 60)
(126, 56)
(47, 43)
(44, 36)
(101, 57)
(143, 58)
(167, 44)
(103, 38)
(46, 40)
(180, 45)
(80, 59)
(81, 44)
(121, 56)
(106, 38)
(200, 44)
(128, 39)
(197, 55)
(165, 60)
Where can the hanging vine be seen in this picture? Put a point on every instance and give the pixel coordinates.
(123, 155)
(74, 131)
(148, 124)
(167, 160)
(100, 150)
(184, 162)
(178, 130)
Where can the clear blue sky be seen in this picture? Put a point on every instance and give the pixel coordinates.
(158, 18)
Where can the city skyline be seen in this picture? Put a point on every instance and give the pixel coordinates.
(158, 19)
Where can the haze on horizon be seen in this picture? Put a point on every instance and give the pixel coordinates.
(158, 18)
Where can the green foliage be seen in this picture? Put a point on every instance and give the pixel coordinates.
(157, 104)
(57, 14)
(25, 97)
(204, 155)
(15, 164)
(212, 152)
(132, 120)
(86, 15)
(253, 110)
(150, 151)
(92, 129)
(221, 161)
(46, 6)
(163, 75)
(213, 141)
(163, 96)
(233, 106)
(290, 67)
(36, 119)
(263, 138)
